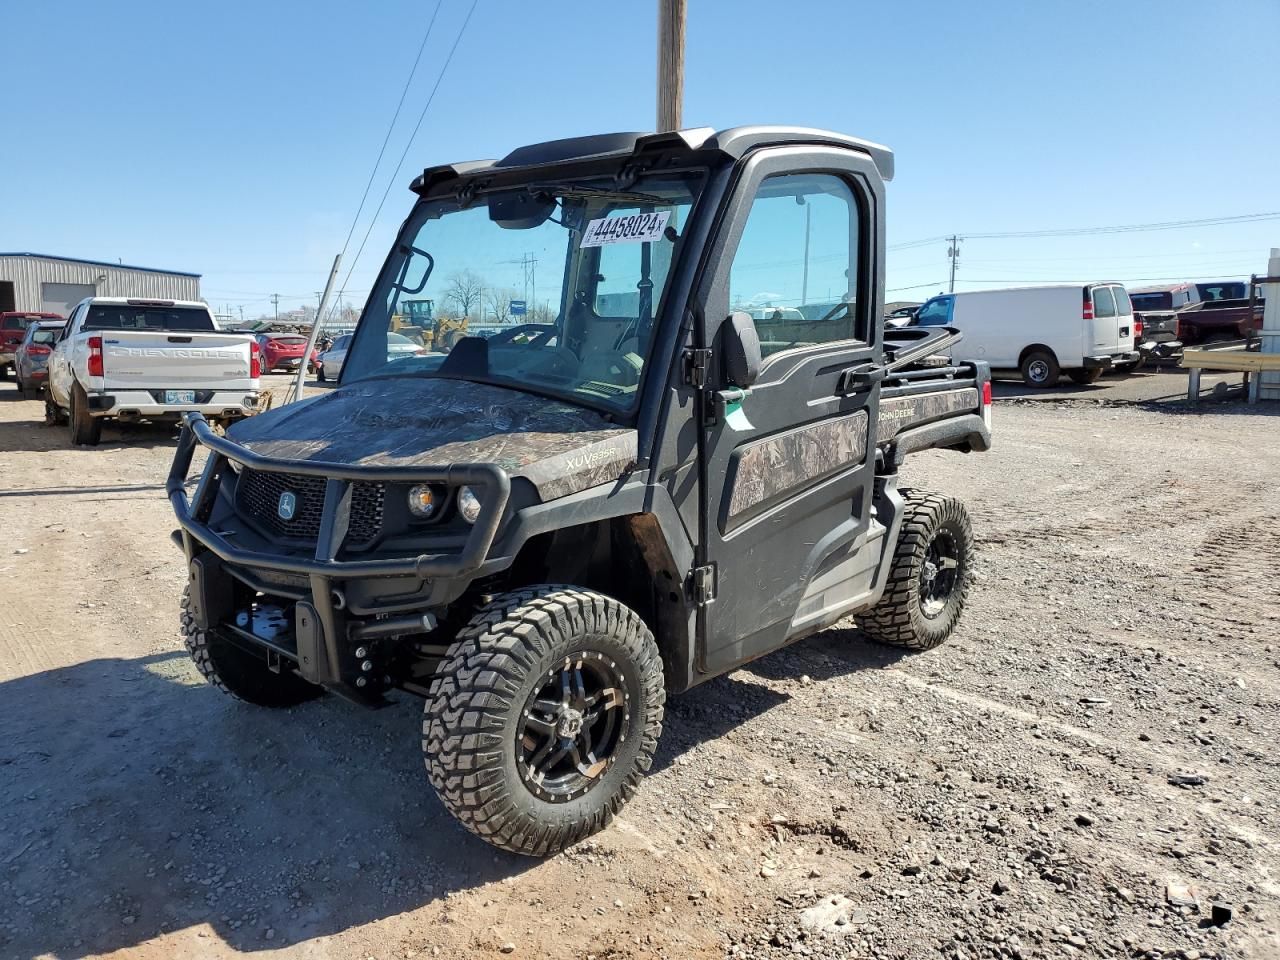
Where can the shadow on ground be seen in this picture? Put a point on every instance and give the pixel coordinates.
(135, 800)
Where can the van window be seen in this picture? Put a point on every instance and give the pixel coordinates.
(1104, 305)
(1123, 307)
(935, 313)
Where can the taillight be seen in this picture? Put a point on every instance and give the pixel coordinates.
(95, 356)
(986, 403)
(1088, 308)
(1137, 327)
(255, 361)
(38, 351)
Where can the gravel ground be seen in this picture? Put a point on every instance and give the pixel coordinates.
(1087, 769)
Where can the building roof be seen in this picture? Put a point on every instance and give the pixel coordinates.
(100, 263)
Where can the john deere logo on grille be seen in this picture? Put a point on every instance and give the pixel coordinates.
(287, 506)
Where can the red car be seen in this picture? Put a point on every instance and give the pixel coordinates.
(13, 328)
(283, 351)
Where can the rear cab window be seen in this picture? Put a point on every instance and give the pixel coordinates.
(1104, 304)
(16, 323)
(123, 316)
(45, 335)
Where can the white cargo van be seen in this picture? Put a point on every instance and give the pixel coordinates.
(1041, 332)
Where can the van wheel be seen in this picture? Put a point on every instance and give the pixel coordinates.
(86, 430)
(1040, 369)
(929, 580)
(1085, 377)
(543, 717)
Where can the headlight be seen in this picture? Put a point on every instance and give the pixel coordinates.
(423, 501)
(468, 504)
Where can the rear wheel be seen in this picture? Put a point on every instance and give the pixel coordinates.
(237, 672)
(929, 580)
(1040, 369)
(86, 430)
(1084, 376)
(543, 717)
(320, 373)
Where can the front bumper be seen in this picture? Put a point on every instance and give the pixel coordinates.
(149, 404)
(322, 627)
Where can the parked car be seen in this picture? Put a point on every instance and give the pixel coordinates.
(329, 364)
(283, 351)
(1155, 314)
(1195, 313)
(1041, 332)
(131, 359)
(13, 328)
(31, 362)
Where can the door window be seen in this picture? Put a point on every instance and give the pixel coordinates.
(1104, 305)
(1123, 307)
(935, 313)
(795, 272)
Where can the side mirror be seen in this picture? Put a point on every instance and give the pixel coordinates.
(741, 348)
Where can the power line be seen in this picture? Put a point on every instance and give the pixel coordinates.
(408, 144)
(391, 127)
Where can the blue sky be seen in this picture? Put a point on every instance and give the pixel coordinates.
(234, 139)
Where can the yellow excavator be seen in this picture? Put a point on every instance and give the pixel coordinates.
(417, 321)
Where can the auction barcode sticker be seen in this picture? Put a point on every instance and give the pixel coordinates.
(633, 228)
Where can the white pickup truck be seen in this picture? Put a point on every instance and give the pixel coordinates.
(132, 359)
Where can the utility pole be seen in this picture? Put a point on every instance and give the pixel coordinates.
(671, 18)
(953, 252)
(275, 302)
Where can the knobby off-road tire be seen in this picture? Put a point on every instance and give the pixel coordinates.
(925, 596)
(237, 673)
(505, 694)
(86, 430)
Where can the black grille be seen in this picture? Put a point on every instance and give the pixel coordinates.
(258, 494)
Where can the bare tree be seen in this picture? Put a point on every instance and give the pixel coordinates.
(464, 290)
(498, 303)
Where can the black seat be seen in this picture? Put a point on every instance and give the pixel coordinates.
(469, 357)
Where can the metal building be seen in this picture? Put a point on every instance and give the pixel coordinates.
(35, 282)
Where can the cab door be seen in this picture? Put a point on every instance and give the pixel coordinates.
(788, 468)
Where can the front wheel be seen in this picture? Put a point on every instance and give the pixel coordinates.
(543, 717)
(929, 580)
(237, 672)
(54, 415)
(320, 373)
(1040, 369)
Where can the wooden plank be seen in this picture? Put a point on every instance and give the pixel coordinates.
(1229, 360)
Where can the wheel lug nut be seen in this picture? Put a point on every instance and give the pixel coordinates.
(361, 652)
(367, 666)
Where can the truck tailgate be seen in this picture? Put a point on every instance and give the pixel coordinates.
(141, 359)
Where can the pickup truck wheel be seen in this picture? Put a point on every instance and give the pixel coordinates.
(1040, 369)
(929, 579)
(238, 673)
(543, 717)
(53, 414)
(1085, 377)
(320, 373)
(86, 430)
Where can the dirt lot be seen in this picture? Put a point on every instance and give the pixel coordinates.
(1088, 769)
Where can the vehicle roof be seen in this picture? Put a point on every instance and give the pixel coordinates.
(1038, 286)
(1163, 288)
(30, 314)
(50, 323)
(282, 333)
(734, 142)
(147, 301)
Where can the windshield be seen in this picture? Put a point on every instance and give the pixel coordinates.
(1152, 301)
(1226, 290)
(551, 288)
(123, 316)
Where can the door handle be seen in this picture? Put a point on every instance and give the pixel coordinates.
(857, 379)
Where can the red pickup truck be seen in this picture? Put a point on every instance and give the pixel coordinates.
(13, 328)
(1211, 320)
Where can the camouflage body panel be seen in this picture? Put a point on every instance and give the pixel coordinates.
(559, 447)
(902, 413)
(766, 469)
